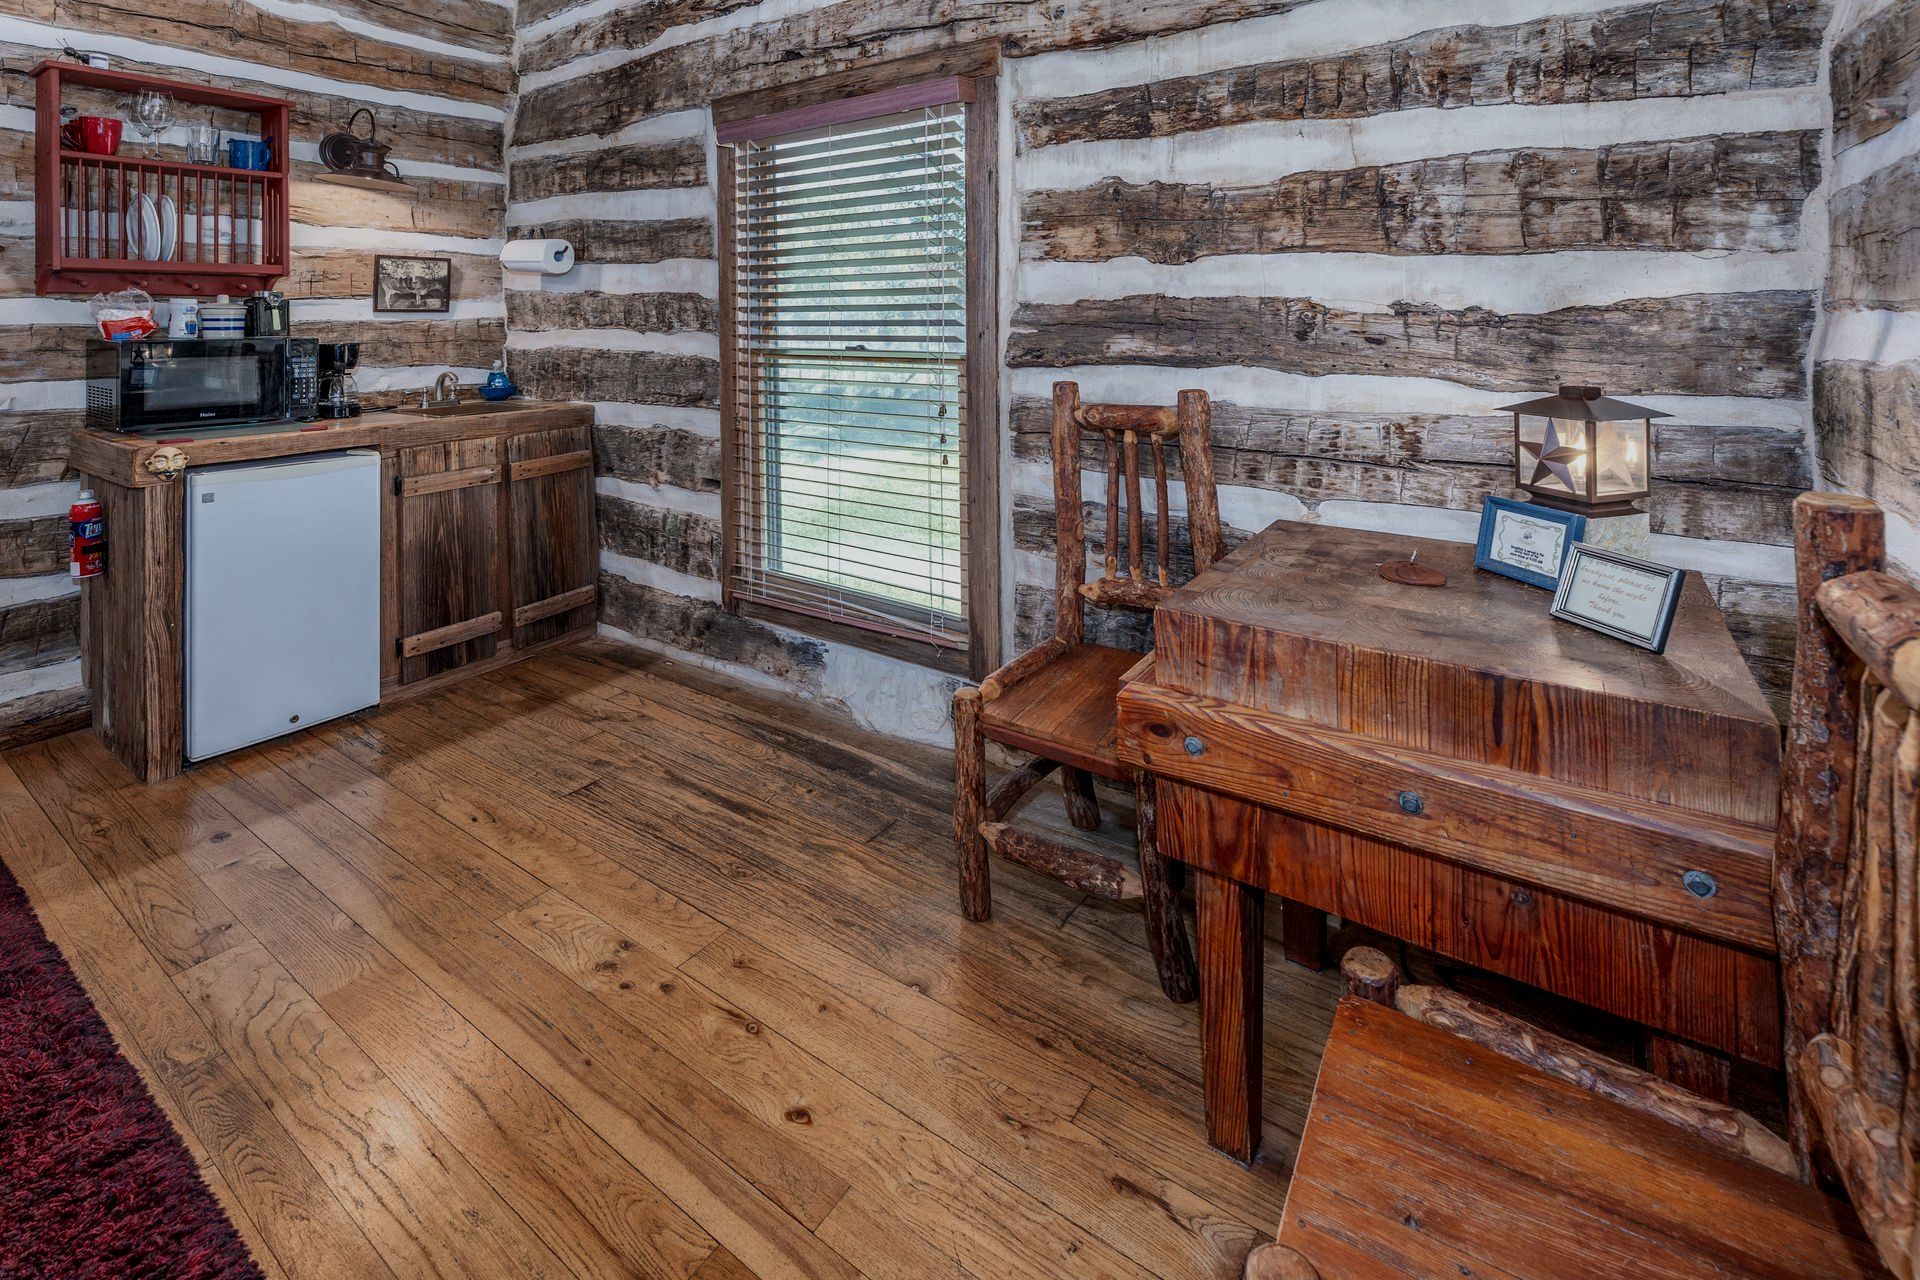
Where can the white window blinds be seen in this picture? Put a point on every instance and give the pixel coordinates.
(849, 339)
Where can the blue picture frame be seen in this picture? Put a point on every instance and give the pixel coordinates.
(1510, 532)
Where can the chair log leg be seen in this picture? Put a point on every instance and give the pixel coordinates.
(1083, 811)
(1166, 929)
(969, 805)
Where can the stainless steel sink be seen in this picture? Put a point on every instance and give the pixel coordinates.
(464, 409)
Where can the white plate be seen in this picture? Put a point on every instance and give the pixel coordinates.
(169, 228)
(149, 229)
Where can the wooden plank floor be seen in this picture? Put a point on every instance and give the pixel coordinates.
(599, 966)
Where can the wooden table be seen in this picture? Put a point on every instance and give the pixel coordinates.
(1453, 767)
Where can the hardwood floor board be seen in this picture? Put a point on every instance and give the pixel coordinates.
(163, 902)
(598, 1214)
(591, 928)
(338, 773)
(936, 1192)
(414, 1195)
(1105, 1189)
(738, 1179)
(294, 1220)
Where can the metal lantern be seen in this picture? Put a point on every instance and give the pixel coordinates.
(1582, 451)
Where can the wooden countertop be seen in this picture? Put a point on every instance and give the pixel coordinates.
(122, 459)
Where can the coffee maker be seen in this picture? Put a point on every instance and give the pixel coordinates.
(339, 397)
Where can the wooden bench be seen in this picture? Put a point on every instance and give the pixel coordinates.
(1447, 1139)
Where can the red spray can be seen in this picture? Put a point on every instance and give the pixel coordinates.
(88, 554)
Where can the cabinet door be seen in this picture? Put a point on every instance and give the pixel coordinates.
(555, 565)
(448, 555)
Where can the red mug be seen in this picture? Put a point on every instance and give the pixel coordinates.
(97, 134)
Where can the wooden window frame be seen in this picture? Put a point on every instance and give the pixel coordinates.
(812, 102)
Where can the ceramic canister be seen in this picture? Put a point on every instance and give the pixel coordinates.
(223, 319)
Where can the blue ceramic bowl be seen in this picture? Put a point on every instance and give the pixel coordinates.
(499, 393)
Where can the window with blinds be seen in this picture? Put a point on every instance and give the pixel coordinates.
(849, 332)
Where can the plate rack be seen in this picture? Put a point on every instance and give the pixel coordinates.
(163, 224)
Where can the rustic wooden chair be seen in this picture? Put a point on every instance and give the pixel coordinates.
(1448, 1138)
(1057, 701)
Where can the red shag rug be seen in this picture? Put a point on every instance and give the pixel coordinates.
(94, 1183)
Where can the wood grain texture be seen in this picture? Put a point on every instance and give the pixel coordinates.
(1866, 416)
(702, 627)
(1751, 344)
(1874, 64)
(550, 534)
(1515, 1171)
(1231, 956)
(640, 166)
(602, 240)
(592, 309)
(657, 456)
(1741, 191)
(1876, 240)
(1636, 51)
(631, 377)
(814, 45)
(449, 542)
(677, 540)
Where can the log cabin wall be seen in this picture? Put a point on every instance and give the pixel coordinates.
(1357, 228)
(1867, 378)
(437, 74)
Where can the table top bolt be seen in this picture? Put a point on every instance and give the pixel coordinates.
(1410, 802)
(1700, 884)
(1193, 745)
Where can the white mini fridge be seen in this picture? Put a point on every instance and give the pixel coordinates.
(283, 596)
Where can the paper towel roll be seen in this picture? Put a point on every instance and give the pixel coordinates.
(547, 257)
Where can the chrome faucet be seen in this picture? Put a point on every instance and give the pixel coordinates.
(446, 388)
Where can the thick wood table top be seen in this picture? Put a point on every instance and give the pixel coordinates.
(1299, 623)
(108, 455)
(1428, 1156)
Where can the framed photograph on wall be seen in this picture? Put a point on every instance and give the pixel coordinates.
(1619, 595)
(412, 284)
(1526, 541)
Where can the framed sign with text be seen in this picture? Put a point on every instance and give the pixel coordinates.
(1525, 541)
(1624, 597)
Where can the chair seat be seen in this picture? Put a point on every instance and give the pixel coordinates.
(1426, 1155)
(1067, 711)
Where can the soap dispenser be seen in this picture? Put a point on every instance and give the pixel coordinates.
(498, 385)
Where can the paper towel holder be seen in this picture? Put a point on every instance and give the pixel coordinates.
(546, 257)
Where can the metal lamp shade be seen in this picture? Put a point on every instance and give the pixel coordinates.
(1581, 451)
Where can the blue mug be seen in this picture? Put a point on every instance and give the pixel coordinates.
(249, 153)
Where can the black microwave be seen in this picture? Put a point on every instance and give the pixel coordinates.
(167, 384)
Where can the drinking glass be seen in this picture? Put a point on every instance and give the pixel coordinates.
(153, 115)
(203, 143)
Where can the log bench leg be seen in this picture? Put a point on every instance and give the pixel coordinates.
(1166, 930)
(1303, 934)
(1694, 1069)
(1232, 948)
(970, 804)
(1083, 811)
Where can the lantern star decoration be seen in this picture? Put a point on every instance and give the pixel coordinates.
(1556, 460)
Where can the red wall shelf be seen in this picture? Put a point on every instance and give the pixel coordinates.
(220, 230)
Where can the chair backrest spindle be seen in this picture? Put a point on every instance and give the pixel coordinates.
(1126, 429)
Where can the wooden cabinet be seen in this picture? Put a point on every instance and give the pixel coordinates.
(487, 550)
(552, 564)
(449, 605)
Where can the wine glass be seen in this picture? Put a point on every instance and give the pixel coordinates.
(153, 114)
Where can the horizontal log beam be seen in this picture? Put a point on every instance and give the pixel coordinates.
(1875, 64)
(1876, 240)
(39, 633)
(631, 377)
(702, 627)
(597, 240)
(1740, 192)
(1867, 418)
(348, 273)
(676, 540)
(1742, 344)
(33, 446)
(592, 309)
(831, 40)
(657, 456)
(1082, 869)
(640, 166)
(1674, 49)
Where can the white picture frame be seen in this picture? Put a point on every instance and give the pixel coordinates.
(1619, 595)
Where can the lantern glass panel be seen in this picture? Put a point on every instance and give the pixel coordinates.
(1621, 452)
(1555, 462)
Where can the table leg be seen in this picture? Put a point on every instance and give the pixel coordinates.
(1303, 934)
(1232, 949)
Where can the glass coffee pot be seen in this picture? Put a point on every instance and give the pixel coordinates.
(339, 395)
